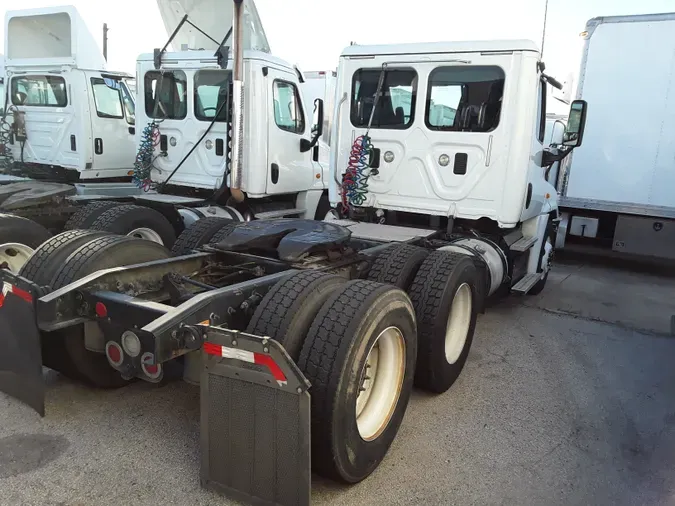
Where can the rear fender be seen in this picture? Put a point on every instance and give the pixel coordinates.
(21, 355)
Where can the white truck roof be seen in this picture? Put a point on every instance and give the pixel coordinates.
(480, 46)
(50, 36)
(208, 57)
(214, 17)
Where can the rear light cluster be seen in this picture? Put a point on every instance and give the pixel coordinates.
(125, 358)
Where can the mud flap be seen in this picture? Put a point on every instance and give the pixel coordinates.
(255, 421)
(20, 354)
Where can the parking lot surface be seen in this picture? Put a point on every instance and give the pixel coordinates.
(567, 398)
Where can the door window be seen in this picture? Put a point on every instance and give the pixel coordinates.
(44, 91)
(129, 100)
(396, 104)
(165, 94)
(211, 94)
(288, 114)
(465, 99)
(107, 98)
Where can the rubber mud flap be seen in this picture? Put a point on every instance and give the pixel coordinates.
(255, 420)
(20, 353)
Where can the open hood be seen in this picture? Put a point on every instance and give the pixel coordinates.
(213, 17)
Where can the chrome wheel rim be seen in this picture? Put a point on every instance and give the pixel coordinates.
(381, 383)
(146, 233)
(459, 321)
(14, 255)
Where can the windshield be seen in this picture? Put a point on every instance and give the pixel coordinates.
(2, 96)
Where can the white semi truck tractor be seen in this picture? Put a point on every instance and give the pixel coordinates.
(306, 337)
(175, 149)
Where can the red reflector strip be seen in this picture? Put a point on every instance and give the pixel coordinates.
(7, 288)
(247, 356)
(266, 360)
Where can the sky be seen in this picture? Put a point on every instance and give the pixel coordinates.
(312, 33)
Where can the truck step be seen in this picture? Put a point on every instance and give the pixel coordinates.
(523, 244)
(525, 285)
(281, 213)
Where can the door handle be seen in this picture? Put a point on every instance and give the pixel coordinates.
(98, 146)
(275, 173)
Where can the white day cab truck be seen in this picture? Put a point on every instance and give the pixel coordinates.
(184, 163)
(66, 119)
(616, 192)
(307, 336)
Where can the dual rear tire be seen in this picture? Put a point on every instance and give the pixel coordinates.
(64, 259)
(362, 344)
(356, 343)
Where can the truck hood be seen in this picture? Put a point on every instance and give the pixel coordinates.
(213, 17)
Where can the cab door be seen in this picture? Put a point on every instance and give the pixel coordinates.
(112, 123)
(289, 169)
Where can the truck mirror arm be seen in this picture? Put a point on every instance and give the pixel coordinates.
(552, 155)
(306, 145)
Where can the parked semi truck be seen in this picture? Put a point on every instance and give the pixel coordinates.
(616, 191)
(306, 337)
(182, 168)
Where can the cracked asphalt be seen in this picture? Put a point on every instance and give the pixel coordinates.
(567, 398)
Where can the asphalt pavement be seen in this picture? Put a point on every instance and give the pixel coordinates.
(567, 398)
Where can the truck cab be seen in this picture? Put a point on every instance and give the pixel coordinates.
(185, 117)
(447, 135)
(71, 118)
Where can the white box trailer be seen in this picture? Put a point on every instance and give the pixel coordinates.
(617, 190)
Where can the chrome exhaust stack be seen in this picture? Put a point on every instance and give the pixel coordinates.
(236, 170)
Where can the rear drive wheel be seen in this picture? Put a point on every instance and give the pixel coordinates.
(224, 231)
(445, 295)
(198, 234)
(40, 269)
(52, 254)
(101, 253)
(287, 311)
(359, 355)
(87, 215)
(398, 265)
(19, 237)
(137, 221)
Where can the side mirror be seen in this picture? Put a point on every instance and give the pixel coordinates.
(576, 124)
(317, 131)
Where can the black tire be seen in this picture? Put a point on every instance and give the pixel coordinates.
(223, 233)
(432, 293)
(51, 255)
(22, 230)
(102, 253)
(288, 309)
(398, 265)
(40, 269)
(541, 284)
(87, 215)
(333, 358)
(124, 219)
(198, 234)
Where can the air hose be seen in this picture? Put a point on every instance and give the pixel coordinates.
(6, 158)
(145, 158)
(355, 178)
